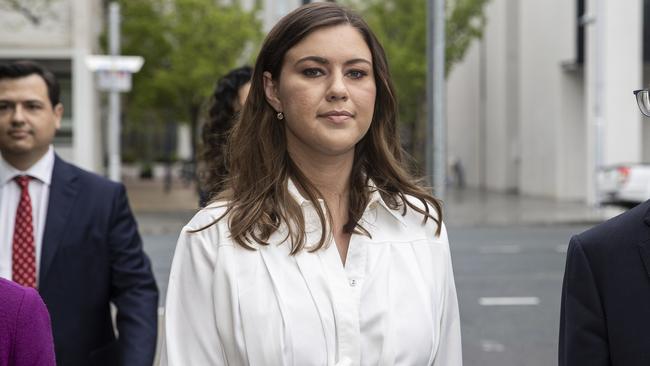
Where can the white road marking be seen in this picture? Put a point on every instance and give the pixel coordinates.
(508, 301)
(500, 249)
(492, 346)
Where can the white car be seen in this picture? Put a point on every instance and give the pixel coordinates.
(626, 185)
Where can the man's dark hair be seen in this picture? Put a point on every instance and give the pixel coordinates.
(20, 69)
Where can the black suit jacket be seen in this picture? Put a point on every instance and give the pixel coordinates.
(92, 256)
(605, 315)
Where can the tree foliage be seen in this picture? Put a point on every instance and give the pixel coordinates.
(187, 46)
(401, 26)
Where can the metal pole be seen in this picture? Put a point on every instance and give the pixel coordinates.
(114, 110)
(436, 160)
(599, 120)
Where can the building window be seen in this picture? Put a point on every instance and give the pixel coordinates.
(580, 32)
(646, 31)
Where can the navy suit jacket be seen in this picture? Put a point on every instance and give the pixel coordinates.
(92, 256)
(605, 315)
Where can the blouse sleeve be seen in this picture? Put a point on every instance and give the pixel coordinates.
(449, 348)
(190, 331)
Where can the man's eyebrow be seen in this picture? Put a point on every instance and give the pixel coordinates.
(324, 61)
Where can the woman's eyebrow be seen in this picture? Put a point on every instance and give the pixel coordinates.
(318, 59)
(324, 61)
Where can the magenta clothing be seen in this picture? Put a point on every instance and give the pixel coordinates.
(25, 328)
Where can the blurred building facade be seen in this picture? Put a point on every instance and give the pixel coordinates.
(522, 106)
(60, 34)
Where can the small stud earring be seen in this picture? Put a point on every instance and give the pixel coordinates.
(280, 116)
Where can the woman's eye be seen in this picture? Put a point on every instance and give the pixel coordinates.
(312, 73)
(357, 74)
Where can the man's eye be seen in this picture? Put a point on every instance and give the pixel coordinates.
(312, 73)
(33, 106)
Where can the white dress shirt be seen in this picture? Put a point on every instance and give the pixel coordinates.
(393, 303)
(39, 192)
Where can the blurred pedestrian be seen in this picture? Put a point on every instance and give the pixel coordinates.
(322, 249)
(25, 328)
(228, 99)
(605, 310)
(69, 233)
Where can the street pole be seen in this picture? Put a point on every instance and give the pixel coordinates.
(114, 110)
(436, 147)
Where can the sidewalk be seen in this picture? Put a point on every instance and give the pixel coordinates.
(474, 207)
(159, 212)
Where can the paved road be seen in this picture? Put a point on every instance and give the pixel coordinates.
(489, 262)
(526, 263)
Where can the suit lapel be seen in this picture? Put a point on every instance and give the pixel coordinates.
(63, 190)
(644, 246)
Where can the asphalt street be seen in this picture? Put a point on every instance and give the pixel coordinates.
(509, 282)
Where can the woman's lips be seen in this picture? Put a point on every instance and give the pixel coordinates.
(337, 116)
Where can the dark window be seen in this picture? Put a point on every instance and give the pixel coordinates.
(646, 31)
(580, 34)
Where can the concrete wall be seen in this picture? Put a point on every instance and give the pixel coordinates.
(521, 112)
(543, 50)
(482, 104)
(464, 106)
(622, 72)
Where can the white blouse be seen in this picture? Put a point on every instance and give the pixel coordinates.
(393, 303)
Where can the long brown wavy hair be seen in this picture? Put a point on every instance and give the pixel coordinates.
(257, 197)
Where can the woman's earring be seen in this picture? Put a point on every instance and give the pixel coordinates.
(280, 116)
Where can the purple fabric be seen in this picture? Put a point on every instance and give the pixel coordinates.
(25, 328)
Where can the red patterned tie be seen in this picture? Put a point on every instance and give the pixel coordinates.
(23, 258)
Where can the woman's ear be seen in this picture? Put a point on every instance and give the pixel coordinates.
(271, 92)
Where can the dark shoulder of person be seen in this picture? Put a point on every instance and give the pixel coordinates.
(92, 181)
(627, 229)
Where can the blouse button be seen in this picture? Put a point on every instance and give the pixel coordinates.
(353, 282)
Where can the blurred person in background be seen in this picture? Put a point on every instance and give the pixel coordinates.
(25, 328)
(322, 249)
(605, 310)
(69, 233)
(228, 99)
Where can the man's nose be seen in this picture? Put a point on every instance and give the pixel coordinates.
(18, 117)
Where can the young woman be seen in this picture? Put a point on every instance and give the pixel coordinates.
(228, 98)
(322, 250)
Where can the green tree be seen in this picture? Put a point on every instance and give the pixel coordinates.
(401, 26)
(187, 46)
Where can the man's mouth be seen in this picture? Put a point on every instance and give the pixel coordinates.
(19, 134)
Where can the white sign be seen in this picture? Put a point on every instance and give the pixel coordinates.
(114, 72)
(131, 64)
(119, 81)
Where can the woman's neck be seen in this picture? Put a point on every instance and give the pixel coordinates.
(331, 176)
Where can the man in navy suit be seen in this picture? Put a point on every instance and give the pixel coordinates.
(605, 314)
(70, 233)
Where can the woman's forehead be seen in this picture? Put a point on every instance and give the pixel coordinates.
(335, 43)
